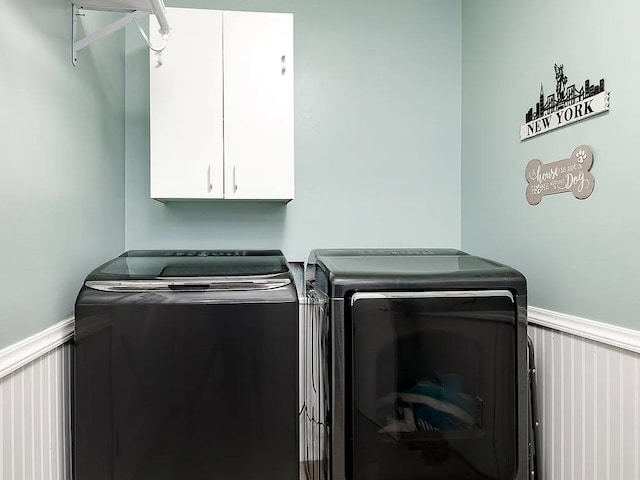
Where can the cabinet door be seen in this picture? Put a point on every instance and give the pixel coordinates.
(186, 107)
(258, 105)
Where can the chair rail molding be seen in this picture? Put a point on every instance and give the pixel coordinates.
(613, 335)
(20, 354)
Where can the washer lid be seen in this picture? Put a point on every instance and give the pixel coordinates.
(145, 265)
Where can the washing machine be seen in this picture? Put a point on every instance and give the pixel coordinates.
(419, 369)
(186, 367)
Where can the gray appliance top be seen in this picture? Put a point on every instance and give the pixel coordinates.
(153, 264)
(344, 271)
(192, 271)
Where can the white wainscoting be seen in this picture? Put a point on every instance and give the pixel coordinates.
(35, 417)
(588, 398)
(588, 390)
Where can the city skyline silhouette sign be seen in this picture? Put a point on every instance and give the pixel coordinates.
(565, 106)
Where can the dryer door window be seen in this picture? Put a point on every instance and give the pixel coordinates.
(432, 386)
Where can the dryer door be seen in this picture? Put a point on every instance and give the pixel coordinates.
(432, 386)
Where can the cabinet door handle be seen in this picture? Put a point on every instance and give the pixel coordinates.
(282, 61)
(210, 178)
(235, 179)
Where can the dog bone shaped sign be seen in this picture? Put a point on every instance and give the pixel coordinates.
(568, 175)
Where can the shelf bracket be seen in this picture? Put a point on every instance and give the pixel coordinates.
(78, 45)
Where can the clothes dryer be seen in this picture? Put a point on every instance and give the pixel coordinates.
(424, 366)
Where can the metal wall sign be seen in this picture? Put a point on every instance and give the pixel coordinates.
(567, 175)
(567, 105)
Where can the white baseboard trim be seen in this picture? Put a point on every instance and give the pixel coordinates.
(19, 354)
(620, 337)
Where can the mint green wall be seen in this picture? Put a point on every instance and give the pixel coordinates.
(378, 136)
(580, 257)
(62, 162)
(377, 106)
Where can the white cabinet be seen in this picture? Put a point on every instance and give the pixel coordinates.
(258, 105)
(186, 108)
(221, 113)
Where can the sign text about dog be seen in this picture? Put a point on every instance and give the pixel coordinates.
(569, 175)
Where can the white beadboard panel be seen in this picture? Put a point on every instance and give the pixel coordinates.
(589, 409)
(19, 354)
(588, 399)
(34, 418)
